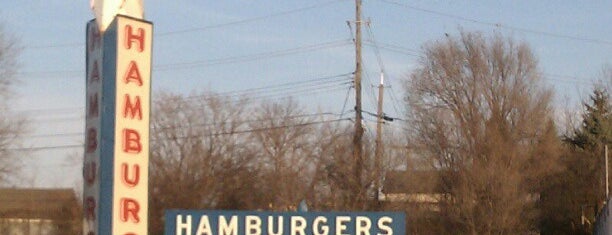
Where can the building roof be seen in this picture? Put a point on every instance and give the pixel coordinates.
(412, 182)
(37, 203)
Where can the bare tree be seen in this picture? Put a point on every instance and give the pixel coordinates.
(331, 186)
(196, 160)
(481, 116)
(282, 143)
(216, 152)
(12, 126)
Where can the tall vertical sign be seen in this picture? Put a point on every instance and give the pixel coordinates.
(91, 161)
(117, 147)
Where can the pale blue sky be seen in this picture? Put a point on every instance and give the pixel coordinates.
(239, 44)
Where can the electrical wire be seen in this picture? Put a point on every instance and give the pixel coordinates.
(266, 128)
(284, 86)
(499, 25)
(251, 19)
(192, 136)
(376, 48)
(211, 62)
(284, 95)
(253, 57)
(289, 92)
(55, 147)
(290, 89)
(348, 91)
(71, 134)
(372, 99)
(51, 110)
(40, 119)
(378, 59)
(195, 29)
(153, 128)
(393, 48)
(292, 94)
(395, 101)
(242, 122)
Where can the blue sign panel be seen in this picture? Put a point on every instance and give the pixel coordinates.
(191, 222)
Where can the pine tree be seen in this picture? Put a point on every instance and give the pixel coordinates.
(571, 202)
(595, 129)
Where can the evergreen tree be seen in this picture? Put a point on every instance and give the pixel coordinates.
(571, 202)
(595, 129)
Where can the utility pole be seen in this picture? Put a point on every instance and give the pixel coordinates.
(357, 142)
(607, 181)
(379, 144)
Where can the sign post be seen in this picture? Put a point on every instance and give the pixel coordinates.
(116, 156)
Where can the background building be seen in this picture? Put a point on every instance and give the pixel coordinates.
(39, 211)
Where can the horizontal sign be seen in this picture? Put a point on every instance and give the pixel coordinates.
(190, 222)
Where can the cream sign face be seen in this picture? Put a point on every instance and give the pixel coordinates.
(106, 10)
(115, 170)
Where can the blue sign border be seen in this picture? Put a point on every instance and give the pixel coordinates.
(397, 224)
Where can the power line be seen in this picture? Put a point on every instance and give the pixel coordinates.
(376, 48)
(567, 79)
(71, 134)
(372, 94)
(309, 86)
(52, 73)
(298, 91)
(266, 128)
(345, 100)
(286, 90)
(241, 122)
(192, 136)
(56, 120)
(285, 94)
(251, 19)
(46, 147)
(398, 47)
(218, 61)
(53, 110)
(80, 134)
(285, 85)
(293, 93)
(74, 44)
(499, 25)
(252, 57)
(195, 29)
(395, 101)
(393, 48)
(366, 74)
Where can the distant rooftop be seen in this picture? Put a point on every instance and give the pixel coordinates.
(37, 203)
(412, 182)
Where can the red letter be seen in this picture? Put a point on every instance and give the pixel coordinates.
(89, 172)
(135, 175)
(132, 109)
(95, 72)
(132, 74)
(94, 37)
(129, 208)
(90, 208)
(92, 109)
(92, 139)
(138, 38)
(131, 141)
